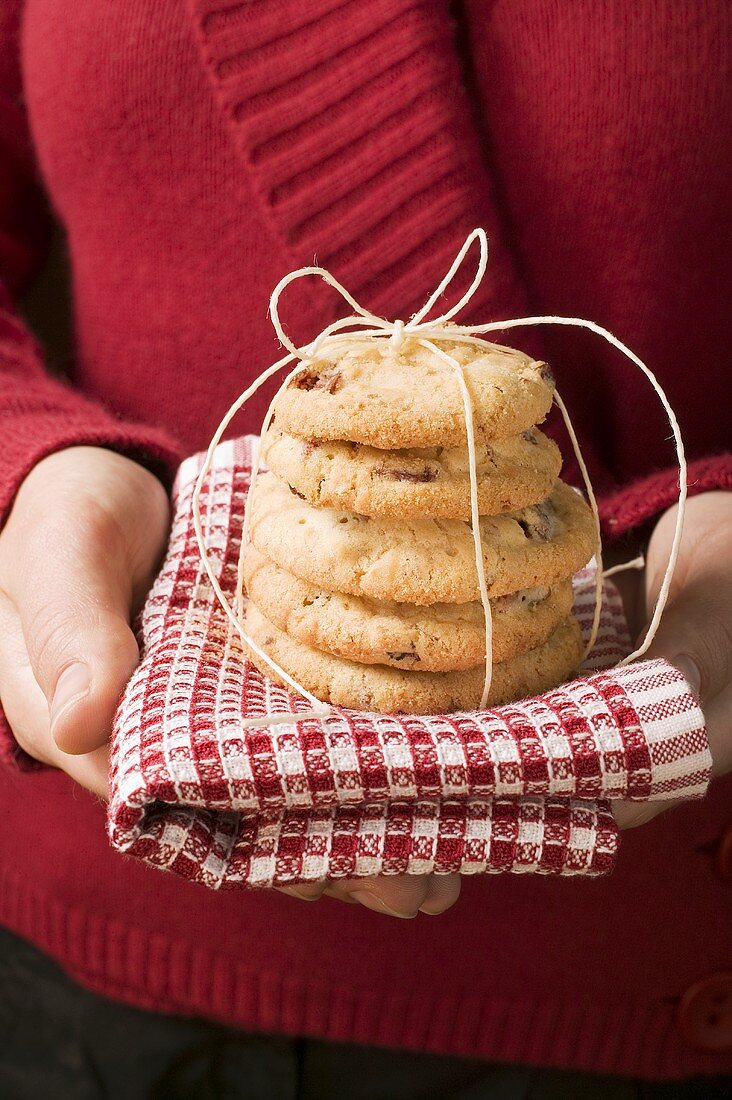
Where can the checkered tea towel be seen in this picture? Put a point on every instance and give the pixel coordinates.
(521, 788)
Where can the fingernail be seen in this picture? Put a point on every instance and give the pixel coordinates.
(689, 669)
(73, 683)
(373, 901)
(302, 893)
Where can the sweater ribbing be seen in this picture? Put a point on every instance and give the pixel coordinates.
(354, 121)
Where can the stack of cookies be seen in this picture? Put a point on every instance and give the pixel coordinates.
(361, 571)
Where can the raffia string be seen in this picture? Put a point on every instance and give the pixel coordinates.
(364, 326)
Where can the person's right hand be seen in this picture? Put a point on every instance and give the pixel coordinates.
(77, 556)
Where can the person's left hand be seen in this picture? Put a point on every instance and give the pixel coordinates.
(695, 632)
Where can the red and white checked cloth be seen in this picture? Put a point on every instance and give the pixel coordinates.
(522, 788)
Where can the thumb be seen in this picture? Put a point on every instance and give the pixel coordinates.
(695, 636)
(73, 599)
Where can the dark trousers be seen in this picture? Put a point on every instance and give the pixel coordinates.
(60, 1042)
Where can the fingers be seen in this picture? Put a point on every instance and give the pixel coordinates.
(77, 554)
(696, 628)
(628, 815)
(695, 632)
(396, 896)
(305, 891)
(71, 591)
(89, 770)
(443, 892)
(26, 710)
(704, 543)
(401, 896)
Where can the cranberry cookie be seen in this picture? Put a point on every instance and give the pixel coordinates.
(417, 482)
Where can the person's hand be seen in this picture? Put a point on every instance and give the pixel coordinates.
(77, 556)
(695, 632)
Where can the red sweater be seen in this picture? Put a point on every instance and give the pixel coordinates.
(194, 153)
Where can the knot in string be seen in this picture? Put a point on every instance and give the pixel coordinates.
(364, 327)
(363, 324)
(397, 337)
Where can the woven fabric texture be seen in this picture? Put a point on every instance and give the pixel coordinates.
(523, 788)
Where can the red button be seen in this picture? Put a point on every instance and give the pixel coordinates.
(705, 1013)
(723, 855)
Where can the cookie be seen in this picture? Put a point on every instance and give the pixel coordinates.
(435, 481)
(392, 691)
(441, 638)
(386, 398)
(421, 561)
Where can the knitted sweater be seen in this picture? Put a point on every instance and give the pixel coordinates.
(194, 153)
